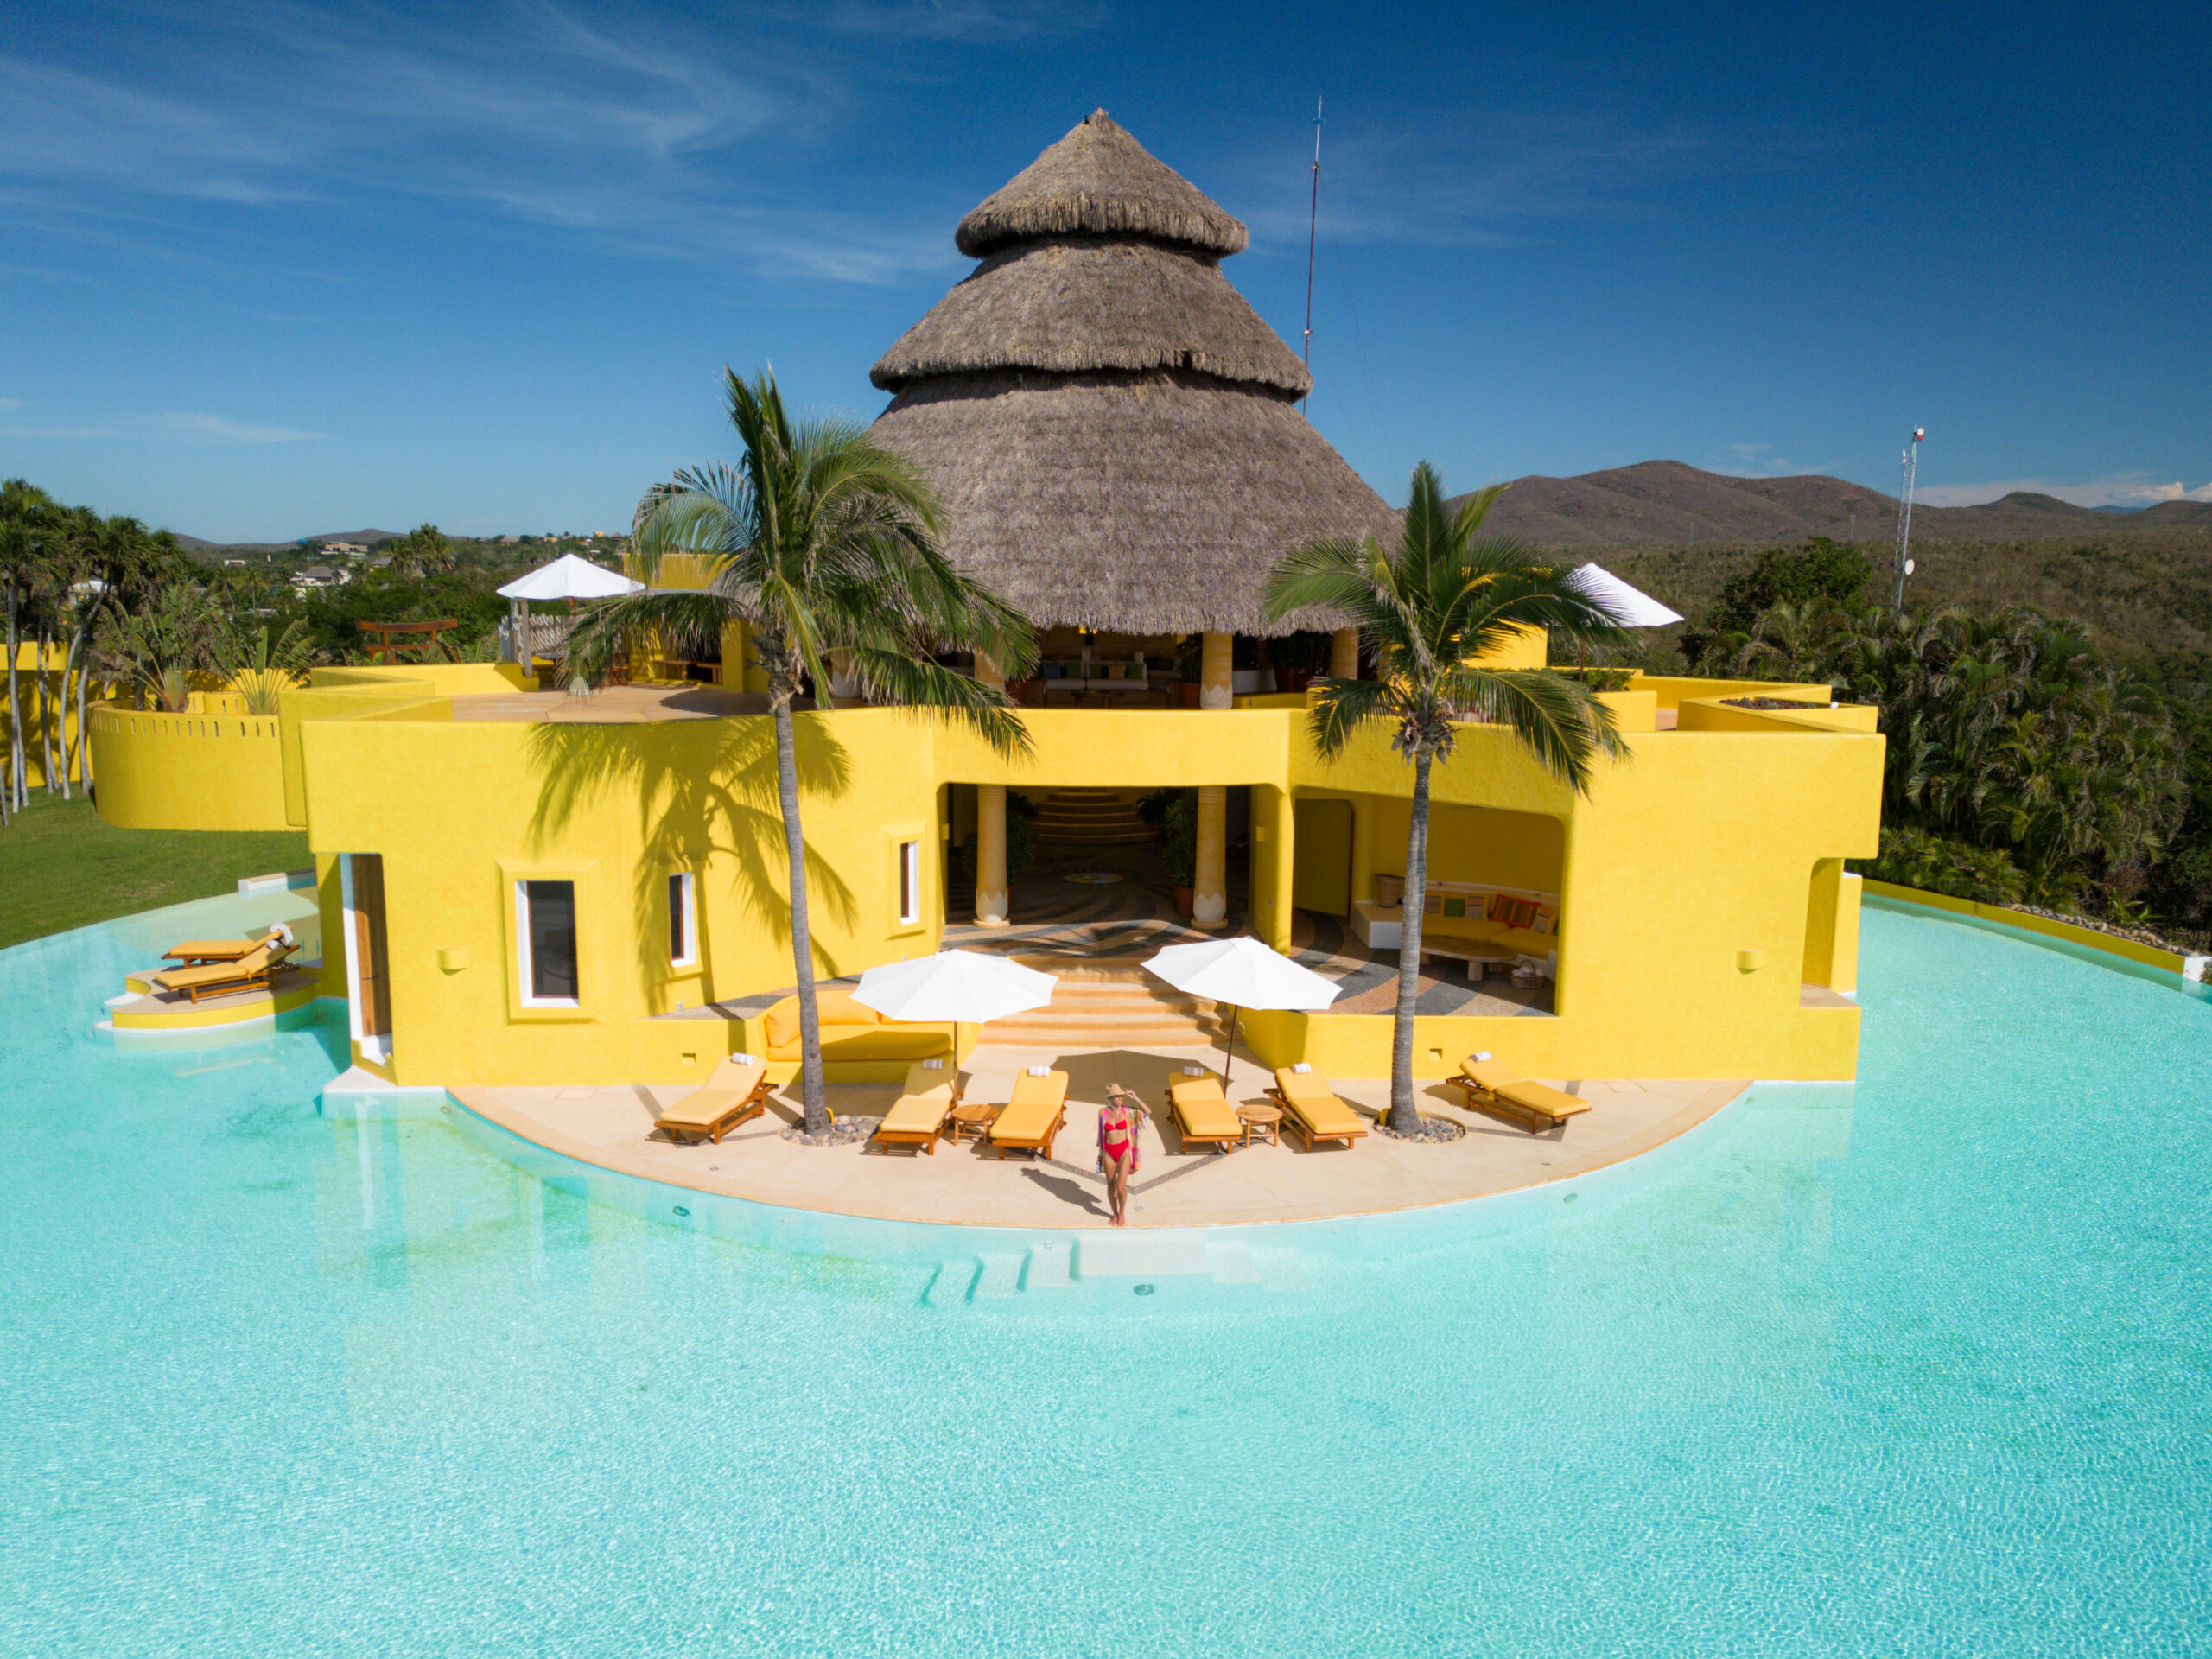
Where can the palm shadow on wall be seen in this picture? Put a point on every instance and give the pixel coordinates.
(704, 790)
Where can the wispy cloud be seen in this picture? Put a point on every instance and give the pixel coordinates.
(215, 429)
(649, 133)
(1450, 177)
(13, 402)
(1755, 460)
(2117, 490)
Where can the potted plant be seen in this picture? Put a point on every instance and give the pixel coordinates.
(1179, 819)
(1189, 662)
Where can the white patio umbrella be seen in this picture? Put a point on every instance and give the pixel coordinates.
(966, 987)
(1633, 607)
(568, 577)
(1244, 973)
(571, 577)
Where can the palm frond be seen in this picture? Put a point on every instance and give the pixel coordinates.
(1559, 720)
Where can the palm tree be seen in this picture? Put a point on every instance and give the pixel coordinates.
(1430, 608)
(819, 542)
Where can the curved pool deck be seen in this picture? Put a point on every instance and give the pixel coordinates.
(611, 1128)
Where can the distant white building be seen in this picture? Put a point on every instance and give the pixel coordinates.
(510, 541)
(320, 575)
(345, 549)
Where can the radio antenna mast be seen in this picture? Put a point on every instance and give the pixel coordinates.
(1908, 466)
(1312, 224)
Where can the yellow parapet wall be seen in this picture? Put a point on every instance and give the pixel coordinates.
(188, 772)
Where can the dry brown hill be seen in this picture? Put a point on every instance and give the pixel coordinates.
(1666, 502)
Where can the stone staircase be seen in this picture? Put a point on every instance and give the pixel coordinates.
(1089, 818)
(1105, 1003)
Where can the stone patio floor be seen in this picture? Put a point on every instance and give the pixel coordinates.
(613, 1127)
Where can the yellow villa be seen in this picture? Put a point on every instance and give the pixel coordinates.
(520, 887)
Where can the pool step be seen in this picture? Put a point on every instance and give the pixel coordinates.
(1110, 1261)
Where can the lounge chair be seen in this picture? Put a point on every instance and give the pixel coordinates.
(250, 972)
(1203, 1113)
(1494, 1086)
(735, 1090)
(1310, 1106)
(933, 1091)
(1038, 1111)
(195, 953)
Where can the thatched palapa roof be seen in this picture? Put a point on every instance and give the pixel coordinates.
(1114, 429)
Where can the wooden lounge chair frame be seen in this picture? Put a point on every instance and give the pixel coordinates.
(927, 1139)
(1294, 1119)
(1004, 1143)
(1535, 1114)
(220, 979)
(711, 1130)
(1223, 1141)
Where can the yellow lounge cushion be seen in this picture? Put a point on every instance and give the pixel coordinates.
(252, 964)
(727, 1084)
(1474, 929)
(1036, 1103)
(885, 1042)
(1310, 1096)
(921, 1111)
(1203, 1109)
(1502, 1080)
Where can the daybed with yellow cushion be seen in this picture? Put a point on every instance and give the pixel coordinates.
(1037, 1112)
(1310, 1106)
(933, 1091)
(1203, 1114)
(1489, 926)
(1494, 1086)
(734, 1091)
(858, 1044)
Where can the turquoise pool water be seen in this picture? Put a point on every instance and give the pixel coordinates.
(1921, 1368)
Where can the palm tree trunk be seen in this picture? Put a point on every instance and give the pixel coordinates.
(19, 795)
(68, 672)
(45, 701)
(1405, 1116)
(809, 1022)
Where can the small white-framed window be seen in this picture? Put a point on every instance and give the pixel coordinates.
(682, 921)
(910, 882)
(545, 937)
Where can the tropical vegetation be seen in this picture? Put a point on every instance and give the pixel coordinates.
(824, 546)
(1428, 607)
(2023, 765)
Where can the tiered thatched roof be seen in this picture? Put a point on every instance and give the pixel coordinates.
(1114, 430)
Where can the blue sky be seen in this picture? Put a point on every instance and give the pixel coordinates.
(284, 268)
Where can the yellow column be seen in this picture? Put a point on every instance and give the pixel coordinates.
(1285, 850)
(1210, 893)
(990, 828)
(1214, 682)
(1344, 654)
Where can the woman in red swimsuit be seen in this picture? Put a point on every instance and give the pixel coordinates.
(1117, 1146)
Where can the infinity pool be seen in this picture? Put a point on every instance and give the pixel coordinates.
(1919, 1367)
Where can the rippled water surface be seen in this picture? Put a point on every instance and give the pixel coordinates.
(1919, 1367)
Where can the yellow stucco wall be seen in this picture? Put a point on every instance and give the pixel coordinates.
(1702, 846)
(188, 772)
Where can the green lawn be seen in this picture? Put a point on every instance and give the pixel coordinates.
(60, 867)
